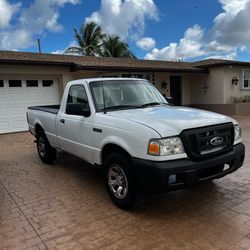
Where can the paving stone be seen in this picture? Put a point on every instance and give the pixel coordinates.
(65, 206)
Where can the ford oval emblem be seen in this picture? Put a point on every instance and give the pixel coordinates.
(216, 140)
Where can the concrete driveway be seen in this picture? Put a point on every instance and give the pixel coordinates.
(65, 206)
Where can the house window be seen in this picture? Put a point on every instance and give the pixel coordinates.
(32, 83)
(246, 79)
(1, 83)
(15, 83)
(47, 83)
(132, 75)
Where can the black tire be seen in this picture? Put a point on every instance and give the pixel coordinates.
(129, 196)
(46, 153)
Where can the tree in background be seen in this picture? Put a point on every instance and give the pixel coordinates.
(89, 38)
(93, 42)
(113, 46)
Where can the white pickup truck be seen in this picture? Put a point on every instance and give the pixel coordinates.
(139, 141)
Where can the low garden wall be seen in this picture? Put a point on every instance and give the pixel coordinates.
(226, 109)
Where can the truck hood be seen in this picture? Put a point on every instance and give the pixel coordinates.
(170, 120)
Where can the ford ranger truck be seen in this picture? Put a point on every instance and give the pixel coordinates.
(138, 140)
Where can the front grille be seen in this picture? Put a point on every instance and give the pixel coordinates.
(206, 141)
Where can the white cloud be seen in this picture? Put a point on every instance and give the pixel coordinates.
(37, 19)
(7, 10)
(191, 45)
(229, 33)
(225, 56)
(62, 2)
(16, 39)
(125, 18)
(57, 52)
(218, 47)
(232, 26)
(61, 51)
(146, 43)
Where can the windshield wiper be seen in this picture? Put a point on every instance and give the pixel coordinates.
(117, 107)
(154, 104)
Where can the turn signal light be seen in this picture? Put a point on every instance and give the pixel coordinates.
(154, 148)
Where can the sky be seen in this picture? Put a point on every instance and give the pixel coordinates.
(154, 29)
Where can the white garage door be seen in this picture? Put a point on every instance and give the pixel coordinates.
(17, 95)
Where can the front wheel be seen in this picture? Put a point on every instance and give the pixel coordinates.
(120, 182)
(46, 153)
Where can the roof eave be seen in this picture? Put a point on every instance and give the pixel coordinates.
(136, 69)
(76, 67)
(44, 63)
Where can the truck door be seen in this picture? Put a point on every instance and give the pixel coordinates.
(74, 124)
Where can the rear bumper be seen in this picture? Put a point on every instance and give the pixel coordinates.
(168, 175)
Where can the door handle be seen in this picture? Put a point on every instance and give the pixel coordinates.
(62, 121)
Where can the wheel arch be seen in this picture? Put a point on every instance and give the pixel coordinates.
(38, 128)
(111, 148)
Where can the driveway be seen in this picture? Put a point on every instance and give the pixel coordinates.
(65, 206)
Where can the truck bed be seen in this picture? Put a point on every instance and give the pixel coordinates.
(48, 108)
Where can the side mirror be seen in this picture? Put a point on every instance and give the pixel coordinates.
(78, 109)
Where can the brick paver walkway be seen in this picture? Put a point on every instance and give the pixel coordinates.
(65, 206)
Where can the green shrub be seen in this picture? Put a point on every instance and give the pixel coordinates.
(234, 99)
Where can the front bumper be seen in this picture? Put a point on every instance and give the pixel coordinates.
(155, 176)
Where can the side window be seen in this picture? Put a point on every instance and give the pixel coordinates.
(77, 102)
(1, 83)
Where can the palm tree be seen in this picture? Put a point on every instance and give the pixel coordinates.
(93, 42)
(89, 38)
(112, 46)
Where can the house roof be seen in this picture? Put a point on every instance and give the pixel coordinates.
(103, 63)
(218, 62)
(110, 63)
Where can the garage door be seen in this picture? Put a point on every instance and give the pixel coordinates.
(17, 95)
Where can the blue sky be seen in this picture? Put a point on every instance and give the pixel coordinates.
(155, 29)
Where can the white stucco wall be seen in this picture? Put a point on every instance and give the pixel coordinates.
(214, 87)
(231, 90)
(207, 88)
(159, 78)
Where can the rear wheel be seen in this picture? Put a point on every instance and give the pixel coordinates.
(120, 182)
(46, 153)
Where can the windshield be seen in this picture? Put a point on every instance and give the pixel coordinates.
(125, 94)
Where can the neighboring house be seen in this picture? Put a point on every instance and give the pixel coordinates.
(37, 79)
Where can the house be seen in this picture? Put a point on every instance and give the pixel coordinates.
(28, 79)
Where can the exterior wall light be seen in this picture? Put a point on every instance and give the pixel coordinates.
(235, 81)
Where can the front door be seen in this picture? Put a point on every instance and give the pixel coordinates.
(175, 89)
(74, 131)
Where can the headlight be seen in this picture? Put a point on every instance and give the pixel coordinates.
(169, 146)
(237, 132)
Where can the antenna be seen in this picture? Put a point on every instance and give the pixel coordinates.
(39, 45)
(103, 95)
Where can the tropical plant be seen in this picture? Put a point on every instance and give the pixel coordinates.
(113, 46)
(93, 42)
(89, 38)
